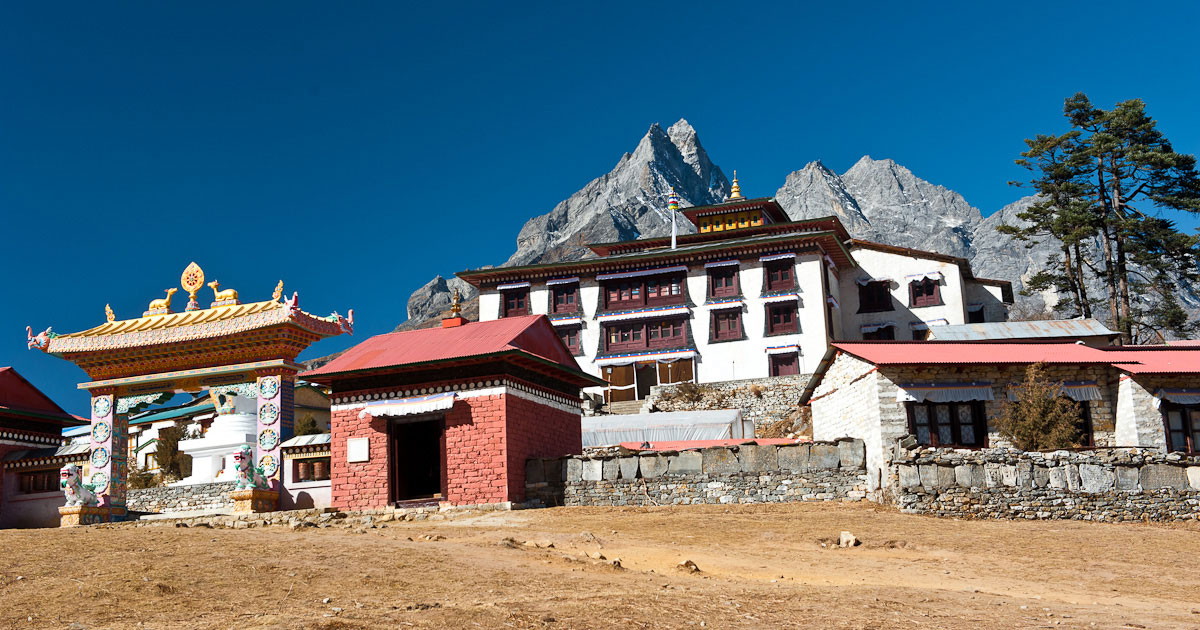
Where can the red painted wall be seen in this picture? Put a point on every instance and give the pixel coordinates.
(362, 485)
(486, 442)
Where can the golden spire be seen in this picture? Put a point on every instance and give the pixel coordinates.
(736, 191)
(108, 312)
(455, 307)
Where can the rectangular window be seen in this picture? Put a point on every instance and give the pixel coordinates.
(722, 282)
(874, 297)
(726, 325)
(785, 364)
(635, 292)
(1183, 428)
(516, 302)
(38, 481)
(950, 425)
(565, 298)
(782, 318)
(887, 333)
(918, 334)
(924, 293)
(570, 338)
(781, 275)
(640, 336)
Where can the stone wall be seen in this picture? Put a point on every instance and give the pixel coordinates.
(822, 471)
(763, 400)
(201, 496)
(1101, 485)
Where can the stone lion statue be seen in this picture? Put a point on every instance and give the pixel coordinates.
(248, 475)
(77, 492)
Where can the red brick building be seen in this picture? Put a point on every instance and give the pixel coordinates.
(450, 414)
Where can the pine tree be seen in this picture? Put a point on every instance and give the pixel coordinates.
(1040, 418)
(1106, 180)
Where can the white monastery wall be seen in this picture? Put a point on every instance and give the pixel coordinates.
(879, 265)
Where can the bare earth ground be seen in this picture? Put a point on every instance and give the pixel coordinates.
(760, 567)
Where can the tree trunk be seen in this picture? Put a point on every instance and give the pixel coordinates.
(1081, 284)
(1069, 273)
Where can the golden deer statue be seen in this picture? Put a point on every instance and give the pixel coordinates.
(162, 303)
(221, 296)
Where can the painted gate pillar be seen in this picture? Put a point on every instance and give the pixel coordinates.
(109, 454)
(276, 412)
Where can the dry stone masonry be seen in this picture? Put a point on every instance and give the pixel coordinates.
(749, 473)
(196, 497)
(1099, 485)
(763, 400)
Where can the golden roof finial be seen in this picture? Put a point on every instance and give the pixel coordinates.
(278, 292)
(735, 192)
(108, 313)
(455, 306)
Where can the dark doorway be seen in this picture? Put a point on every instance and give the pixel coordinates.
(415, 453)
(647, 377)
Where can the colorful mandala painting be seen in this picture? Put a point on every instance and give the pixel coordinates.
(101, 432)
(100, 457)
(269, 466)
(268, 413)
(99, 482)
(101, 406)
(268, 387)
(268, 439)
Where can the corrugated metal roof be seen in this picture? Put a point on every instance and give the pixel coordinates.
(1045, 329)
(171, 414)
(1163, 361)
(925, 352)
(308, 440)
(533, 334)
(52, 451)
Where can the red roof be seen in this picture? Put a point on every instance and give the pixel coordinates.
(1164, 361)
(530, 336)
(922, 352)
(19, 396)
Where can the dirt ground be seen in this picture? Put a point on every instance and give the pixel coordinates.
(759, 567)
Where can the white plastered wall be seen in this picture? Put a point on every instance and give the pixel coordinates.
(877, 264)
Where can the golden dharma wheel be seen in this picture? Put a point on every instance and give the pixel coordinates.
(192, 279)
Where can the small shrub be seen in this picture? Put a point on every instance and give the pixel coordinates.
(688, 392)
(307, 425)
(757, 390)
(1040, 418)
(140, 479)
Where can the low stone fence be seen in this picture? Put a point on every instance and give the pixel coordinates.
(763, 400)
(1102, 485)
(749, 473)
(201, 496)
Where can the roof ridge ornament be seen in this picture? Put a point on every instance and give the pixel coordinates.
(226, 297)
(191, 281)
(735, 192)
(278, 293)
(161, 306)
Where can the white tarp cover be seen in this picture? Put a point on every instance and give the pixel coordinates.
(1078, 391)
(408, 406)
(944, 392)
(1178, 396)
(669, 426)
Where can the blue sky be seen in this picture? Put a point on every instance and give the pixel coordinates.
(357, 149)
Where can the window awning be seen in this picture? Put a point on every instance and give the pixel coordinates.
(975, 307)
(865, 280)
(771, 257)
(932, 275)
(833, 302)
(786, 297)
(722, 263)
(1079, 391)
(647, 313)
(944, 392)
(567, 321)
(661, 357)
(868, 328)
(408, 406)
(512, 285)
(562, 281)
(1177, 396)
(925, 325)
(784, 349)
(643, 272)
